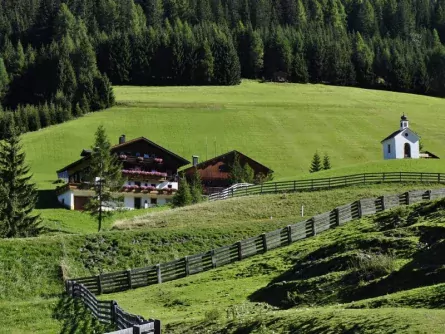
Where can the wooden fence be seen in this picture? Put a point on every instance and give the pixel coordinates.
(108, 311)
(329, 183)
(189, 265)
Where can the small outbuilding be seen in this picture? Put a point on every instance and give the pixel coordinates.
(401, 144)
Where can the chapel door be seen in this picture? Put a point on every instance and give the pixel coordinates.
(407, 150)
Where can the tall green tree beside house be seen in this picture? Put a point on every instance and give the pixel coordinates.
(183, 196)
(196, 188)
(105, 178)
(18, 194)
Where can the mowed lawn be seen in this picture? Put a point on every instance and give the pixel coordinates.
(280, 125)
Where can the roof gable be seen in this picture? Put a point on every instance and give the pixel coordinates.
(398, 132)
(143, 139)
(222, 157)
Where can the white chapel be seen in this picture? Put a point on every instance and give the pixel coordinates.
(401, 144)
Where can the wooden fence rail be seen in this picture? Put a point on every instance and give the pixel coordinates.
(328, 183)
(108, 311)
(193, 264)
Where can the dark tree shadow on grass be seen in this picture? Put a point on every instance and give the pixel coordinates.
(76, 318)
(47, 199)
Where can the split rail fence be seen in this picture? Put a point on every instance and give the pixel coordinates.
(108, 311)
(328, 183)
(189, 265)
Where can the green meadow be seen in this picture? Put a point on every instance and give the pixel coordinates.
(280, 125)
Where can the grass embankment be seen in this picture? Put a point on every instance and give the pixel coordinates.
(280, 125)
(31, 270)
(382, 274)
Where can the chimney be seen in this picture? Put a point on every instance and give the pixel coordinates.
(122, 139)
(195, 160)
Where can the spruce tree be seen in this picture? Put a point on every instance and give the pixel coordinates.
(18, 194)
(326, 162)
(196, 188)
(104, 177)
(4, 79)
(316, 163)
(183, 196)
(237, 172)
(249, 174)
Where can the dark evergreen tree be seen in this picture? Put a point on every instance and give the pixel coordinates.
(196, 188)
(17, 192)
(326, 162)
(316, 165)
(183, 196)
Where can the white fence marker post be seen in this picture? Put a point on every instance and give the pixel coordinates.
(302, 211)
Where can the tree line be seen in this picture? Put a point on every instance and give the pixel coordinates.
(57, 57)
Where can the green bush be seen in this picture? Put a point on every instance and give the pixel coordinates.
(369, 266)
(212, 315)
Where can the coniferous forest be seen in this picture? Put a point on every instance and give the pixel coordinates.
(59, 58)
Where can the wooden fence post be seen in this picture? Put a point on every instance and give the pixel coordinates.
(261, 188)
(276, 187)
(157, 327)
(312, 184)
(314, 232)
(264, 237)
(158, 272)
(130, 283)
(359, 208)
(113, 306)
(400, 173)
(438, 177)
(295, 185)
(289, 234)
(429, 194)
(187, 267)
(364, 178)
(337, 216)
(99, 284)
(212, 252)
(407, 198)
(240, 251)
(382, 198)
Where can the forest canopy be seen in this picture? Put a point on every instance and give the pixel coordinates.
(59, 58)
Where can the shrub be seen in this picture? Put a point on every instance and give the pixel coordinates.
(369, 266)
(212, 315)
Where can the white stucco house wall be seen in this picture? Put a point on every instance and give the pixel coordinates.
(401, 144)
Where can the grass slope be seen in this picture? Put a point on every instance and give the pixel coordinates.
(31, 270)
(313, 286)
(280, 125)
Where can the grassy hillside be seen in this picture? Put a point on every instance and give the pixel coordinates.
(281, 125)
(31, 270)
(382, 274)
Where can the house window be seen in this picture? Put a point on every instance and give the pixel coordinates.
(138, 154)
(153, 185)
(224, 168)
(153, 201)
(137, 184)
(146, 156)
(169, 186)
(389, 148)
(146, 184)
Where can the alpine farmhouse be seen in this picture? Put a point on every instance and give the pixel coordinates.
(151, 172)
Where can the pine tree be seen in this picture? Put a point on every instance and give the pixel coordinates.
(316, 163)
(4, 79)
(183, 196)
(249, 174)
(236, 170)
(105, 176)
(18, 194)
(326, 162)
(196, 188)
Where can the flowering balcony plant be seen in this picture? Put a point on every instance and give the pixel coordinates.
(130, 172)
(123, 157)
(140, 158)
(147, 189)
(159, 160)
